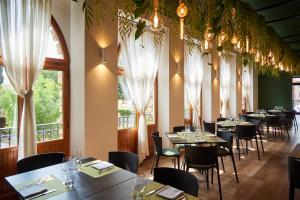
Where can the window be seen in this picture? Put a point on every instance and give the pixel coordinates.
(187, 106)
(296, 94)
(127, 114)
(51, 96)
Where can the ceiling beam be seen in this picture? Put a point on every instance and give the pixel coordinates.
(275, 5)
(283, 18)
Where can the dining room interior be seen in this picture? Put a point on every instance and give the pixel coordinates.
(149, 99)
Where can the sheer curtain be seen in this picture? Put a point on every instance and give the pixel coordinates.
(193, 71)
(140, 58)
(24, 32)
(246, 86)
(224, 86)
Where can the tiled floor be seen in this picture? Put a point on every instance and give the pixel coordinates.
(259, 179)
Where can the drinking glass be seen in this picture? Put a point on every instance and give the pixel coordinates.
(187, 127)
(69, 179)
(139, 188)
(67, 163)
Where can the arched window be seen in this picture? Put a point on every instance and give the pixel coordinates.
(51, 97)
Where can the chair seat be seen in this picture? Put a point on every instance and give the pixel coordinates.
(222, 152)
(170, 152)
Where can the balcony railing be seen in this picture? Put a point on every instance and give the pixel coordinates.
(128, 121)
(45, 132)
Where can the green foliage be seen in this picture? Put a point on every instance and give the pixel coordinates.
(47, 97)
(124, 112)
(8, 101)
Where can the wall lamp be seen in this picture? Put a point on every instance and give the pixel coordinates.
(178, 71)
(215, 70)
(102, 53)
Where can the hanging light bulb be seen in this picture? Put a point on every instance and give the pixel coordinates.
(208, 35)
(182, 12)
(280, 66)
(223, 36)
(157, 22)
(206, 46)
(263, 61)
(257, 57)
(155, 19)
(234, 39)
(247, 44)
(238, 47)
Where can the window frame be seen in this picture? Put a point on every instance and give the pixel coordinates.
(54, 64)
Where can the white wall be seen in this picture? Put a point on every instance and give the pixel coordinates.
(207, 89)
(233, 88)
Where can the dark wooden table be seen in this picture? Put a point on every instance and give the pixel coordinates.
(193, 138)
(296, 152)
(117, 185)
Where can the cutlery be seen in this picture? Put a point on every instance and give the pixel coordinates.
(38, 182)
(42, 194)
(182, 197)
(106, 169)
(155, 190)
(94, 162)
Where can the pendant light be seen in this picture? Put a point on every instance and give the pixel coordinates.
(257, 57)
(234, 39)
(206, 46)
(182, 12)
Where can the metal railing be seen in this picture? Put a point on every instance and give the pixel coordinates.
(128, 121)
(44, 132)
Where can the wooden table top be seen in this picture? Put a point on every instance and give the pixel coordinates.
(230, 123)
(193, 138)
(296, 152)
(117, 185)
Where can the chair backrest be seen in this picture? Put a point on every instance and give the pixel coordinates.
(157, 143)
(209, 126)
(221, 119)
(228, 137)
(249, 113)
(244, 118)
(245, 131)
(272, 120)
(176, 178)
(294, 171)
(39, 161)
(201, 155)
(178, 129)
(125, 160)
(256, 122)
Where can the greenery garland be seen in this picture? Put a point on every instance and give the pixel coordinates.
(230, 16)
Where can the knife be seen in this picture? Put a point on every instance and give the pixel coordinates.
(155, 190)
(42, 194)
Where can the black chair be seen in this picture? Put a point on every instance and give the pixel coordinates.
(257, 123)
(125, 160)
(295, 120)
(285, 120)
(273, 122)
(176, 178)
(203, 158)
(248, 113)
(221, 119)
(165, 152)
(247, 133)
(39, 161)
(244, 118)
(178, 129)
(209, 127)
(225, 149)
(294, 176)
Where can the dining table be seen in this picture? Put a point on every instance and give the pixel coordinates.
(113, 184)
(197, 137)
(232, 123)
(260, 116)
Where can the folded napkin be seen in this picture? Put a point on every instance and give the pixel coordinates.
(169, 192)
(32, 190)
(102, 165)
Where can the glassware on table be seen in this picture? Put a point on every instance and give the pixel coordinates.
(77, 164)
(139, 188)
(69, 179)
(67, 163)
(187, 127)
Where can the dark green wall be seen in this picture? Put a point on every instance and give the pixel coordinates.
(275, 91)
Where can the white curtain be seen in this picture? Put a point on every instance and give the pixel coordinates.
(24, 32)
(193, 71)
(140, 58)
(246, 86)
(224, 87)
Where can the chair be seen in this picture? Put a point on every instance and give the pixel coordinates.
(221, 119)
(209, 127)
(295, 120)
(285, 120)
(257, 123)
(176, 178)
(248, 113)
(165, 152)
(203, 158)
(39, 161)
(273, 122)
(247, 133)
(225, 149)
(294, 176)
(125, 160)
(178, 129)
(244, 118)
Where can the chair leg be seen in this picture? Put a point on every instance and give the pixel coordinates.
(261, 142)
(222, 163)
(178, 162)
(238, 147)
(246, 147)
(257, 148)
(153, 160)
(206, 178)
(234, 167)
(157, 160)
(212, 175)
(281, 132)
(219, 182)
(291, 192)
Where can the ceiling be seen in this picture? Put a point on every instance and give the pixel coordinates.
(283, 16)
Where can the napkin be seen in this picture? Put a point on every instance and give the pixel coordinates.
(32, 190)
(102, 165)
(169, 192)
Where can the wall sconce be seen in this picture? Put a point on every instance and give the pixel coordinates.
(178, 71)
(102, 53)
(216, 71)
